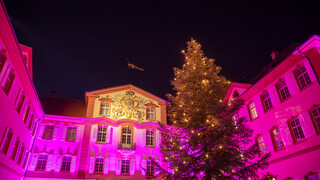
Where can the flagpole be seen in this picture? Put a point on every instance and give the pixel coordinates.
(128, 73)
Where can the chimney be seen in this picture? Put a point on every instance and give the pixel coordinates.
(53, 94)
(274, 54)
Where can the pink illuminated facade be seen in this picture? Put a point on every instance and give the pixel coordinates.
(20, 108)
(113, 140)
(113, 133)
(283, 105)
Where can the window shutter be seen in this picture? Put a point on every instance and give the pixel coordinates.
(11, 145)
(287, 134)
(24, 153)
(268, 142)
(289, 84)
(41, 131)
(91, 165)
(118, 170)
(58, 163)
(55, 132)
(94, 133)
(132, 167)
(275, 99)
(18, 152)
(73, 164)
(143, 138)
(64, 133)
(109, 134)
(33, 162)
(310, 71)
(49, 162)
(259, 106)
(144, 167)
(283, 134)
(78, 134)
(303, 123)
(156, 168)
(292, 83)
(4, 137)
(106, 166)
(158, 138)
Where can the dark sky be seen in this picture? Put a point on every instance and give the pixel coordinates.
(82, 46)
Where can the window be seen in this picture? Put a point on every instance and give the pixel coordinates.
(98, 165)
(316, 118)
(26, 114)
(31, 121)
(283, 90)
(105, 109)
(102, 134)
(42, 161)
(15, 149)
(21, 154)
(48, 132)
(105, 106)
(150, 168)
(66, 162)
(252, 110)
(303, 77)
(20, 102)
(261, 145)
(312, 176)
(267, 104)
(125, 166)
(277, 139)
(296, 129)
(150, 138)
(7, 140)
(150, 113)
(3, 58)
(71, 135)
(8, 82)
(126, 135)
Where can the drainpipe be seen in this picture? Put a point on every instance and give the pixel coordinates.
(35, 135)
(298, 49)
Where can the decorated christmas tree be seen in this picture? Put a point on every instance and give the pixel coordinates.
(206, 140)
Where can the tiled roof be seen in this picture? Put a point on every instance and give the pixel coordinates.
(64, 107)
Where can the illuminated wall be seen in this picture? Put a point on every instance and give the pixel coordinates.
(284, 111)
(20, 108)
(116, 138)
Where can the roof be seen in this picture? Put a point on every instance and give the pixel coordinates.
(234, 85)
(64, 107)
(283, 55)
(125, 87)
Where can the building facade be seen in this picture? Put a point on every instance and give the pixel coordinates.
(20, 107)
(114, 140)
(283, 105)
(114, 132)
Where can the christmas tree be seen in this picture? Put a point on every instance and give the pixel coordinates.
(205, 140)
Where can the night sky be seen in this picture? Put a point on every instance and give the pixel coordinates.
(81, 46)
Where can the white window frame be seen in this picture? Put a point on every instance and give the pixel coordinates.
(43, 161)
(98, 165)
(66, 163)
(125, 166)
(150, 137)
(102, 134)
(302, 76)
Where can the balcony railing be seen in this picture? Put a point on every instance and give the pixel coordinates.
(126, 146)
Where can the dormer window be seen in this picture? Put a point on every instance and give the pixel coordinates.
(151, 111)
(105, 106)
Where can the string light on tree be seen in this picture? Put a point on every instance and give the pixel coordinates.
(206, 133)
